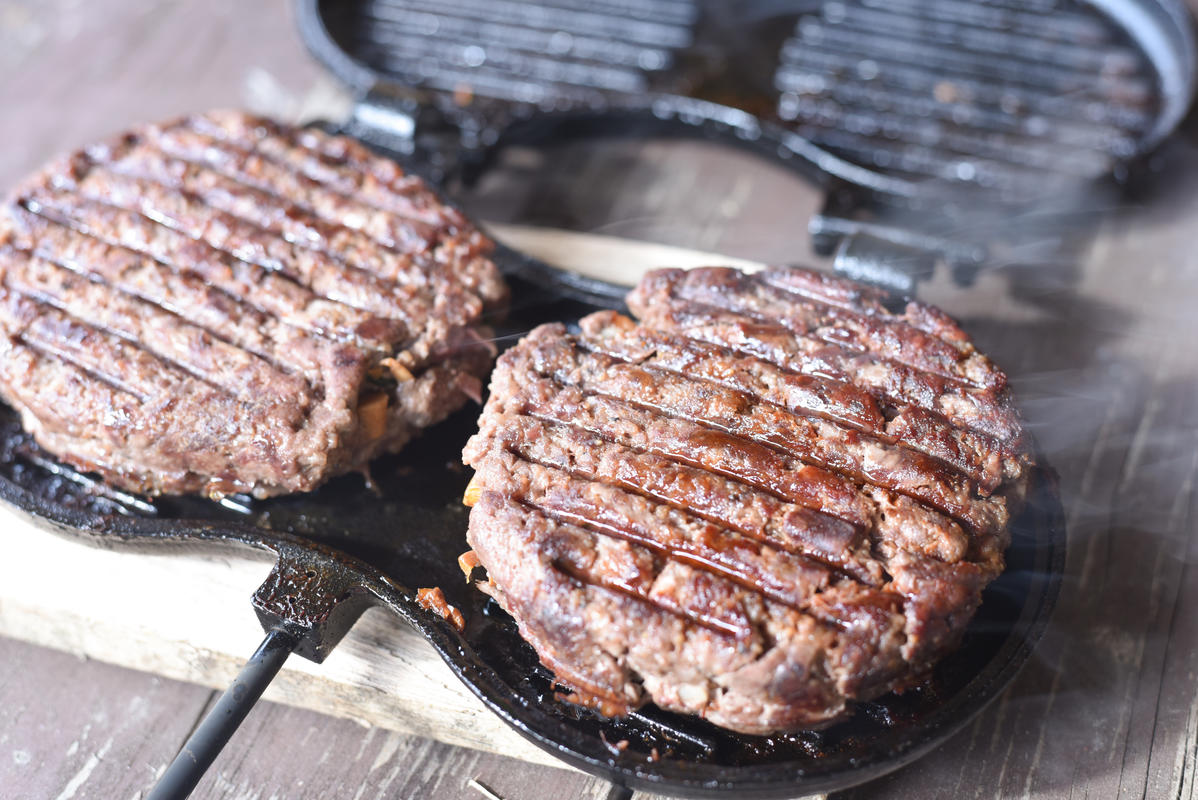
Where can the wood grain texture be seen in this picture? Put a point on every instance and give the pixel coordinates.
(378, 765)
(1108, 380)
(187, 616)
(72, 728)
(74, 72)
(80, 729)
(1103, 353)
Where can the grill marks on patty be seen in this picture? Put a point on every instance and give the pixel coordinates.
(795, 529)
(341, 164)
(669, 300)
(835, 399)
(712, 522)
(238, 275)
(131, 252)
(241, 359)
(767, 296)
(812, 439)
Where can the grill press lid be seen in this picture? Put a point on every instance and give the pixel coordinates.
(901, 96)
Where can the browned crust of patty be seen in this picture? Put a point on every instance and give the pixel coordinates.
(760, 531)
(226, 304)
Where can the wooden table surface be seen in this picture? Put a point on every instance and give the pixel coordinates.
(1103, 352)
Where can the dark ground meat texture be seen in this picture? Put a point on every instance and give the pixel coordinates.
(226, 304)
(769, 498)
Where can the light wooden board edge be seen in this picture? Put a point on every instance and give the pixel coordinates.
(609, 258)
(187, 616)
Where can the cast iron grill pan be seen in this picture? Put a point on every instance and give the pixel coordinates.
(1001, 96)
(967, 132)
(347, 546)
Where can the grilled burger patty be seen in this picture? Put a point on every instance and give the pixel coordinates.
(225, 304)
(770, 498)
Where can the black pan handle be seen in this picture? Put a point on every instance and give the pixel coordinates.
(313, 595)
(207, 740)
(307, 604)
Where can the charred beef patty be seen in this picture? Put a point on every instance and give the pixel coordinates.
(225, 304)
(768, 499)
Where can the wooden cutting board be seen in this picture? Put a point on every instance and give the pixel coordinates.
(187, 616)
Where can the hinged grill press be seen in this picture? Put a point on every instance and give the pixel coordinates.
(935, 125)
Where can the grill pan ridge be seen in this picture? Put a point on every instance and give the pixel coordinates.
(984, 95)
(932, 127)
